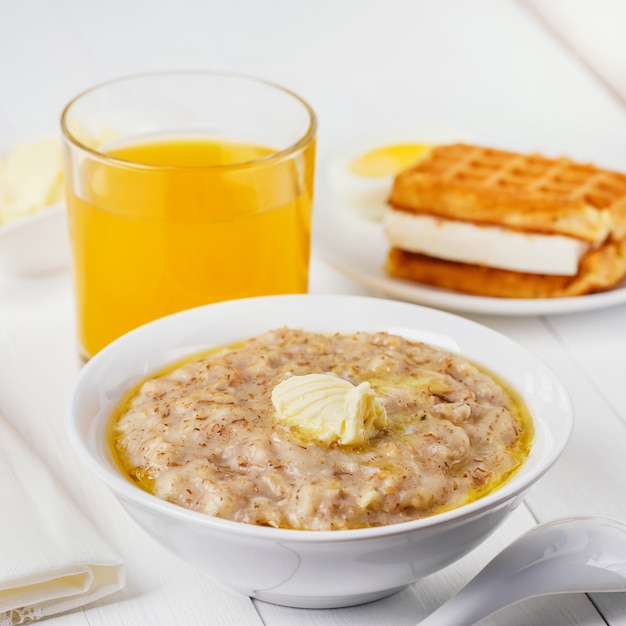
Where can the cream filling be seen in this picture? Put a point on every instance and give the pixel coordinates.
(492, 246)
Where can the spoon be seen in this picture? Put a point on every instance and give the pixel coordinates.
(578, 554)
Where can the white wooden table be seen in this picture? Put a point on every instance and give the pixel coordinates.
(545, 75)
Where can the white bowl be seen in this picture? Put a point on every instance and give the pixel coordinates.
(36, 244)
(313, 568)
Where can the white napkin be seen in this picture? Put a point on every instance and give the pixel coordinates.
(52, 560)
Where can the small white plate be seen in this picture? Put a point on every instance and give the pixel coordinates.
(357, 247)
(36, 244)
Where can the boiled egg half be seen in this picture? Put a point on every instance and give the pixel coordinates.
(362, 176)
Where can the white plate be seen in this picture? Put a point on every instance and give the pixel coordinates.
(357, 247)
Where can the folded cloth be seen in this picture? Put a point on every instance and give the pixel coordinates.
(52, 560)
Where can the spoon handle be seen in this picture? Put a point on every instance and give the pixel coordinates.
(474, 602)
(570, 555)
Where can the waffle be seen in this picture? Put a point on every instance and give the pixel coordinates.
(524, 192)
(527, 193)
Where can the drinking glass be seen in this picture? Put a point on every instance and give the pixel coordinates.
(184, 188)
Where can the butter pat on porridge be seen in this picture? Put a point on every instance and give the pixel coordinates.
(327, 408)
(392, 430)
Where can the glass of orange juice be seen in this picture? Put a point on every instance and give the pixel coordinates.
(184, 188)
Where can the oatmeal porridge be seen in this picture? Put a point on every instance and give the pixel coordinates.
(430, 431)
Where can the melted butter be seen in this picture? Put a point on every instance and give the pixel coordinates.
(432, 382)
(119, 455)
(326, 408)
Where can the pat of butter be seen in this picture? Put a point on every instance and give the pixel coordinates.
(31, 178)
(326, 408)
(492, 246)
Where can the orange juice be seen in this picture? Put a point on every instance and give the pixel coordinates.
(166, 224)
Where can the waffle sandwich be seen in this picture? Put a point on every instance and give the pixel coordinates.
(497, 223)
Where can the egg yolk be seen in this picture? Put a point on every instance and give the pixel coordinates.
(388, 160)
